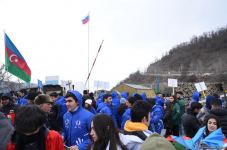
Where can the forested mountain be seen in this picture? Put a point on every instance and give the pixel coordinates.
(205, 55)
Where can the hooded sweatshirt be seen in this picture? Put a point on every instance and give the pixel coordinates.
(77, 125)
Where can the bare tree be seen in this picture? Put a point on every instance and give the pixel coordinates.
(5, 81)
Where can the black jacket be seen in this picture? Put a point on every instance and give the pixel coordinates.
(190, 123)
(6, 130)
(221, 113)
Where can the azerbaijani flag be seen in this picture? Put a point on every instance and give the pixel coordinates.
(86, 19)
(15, 62)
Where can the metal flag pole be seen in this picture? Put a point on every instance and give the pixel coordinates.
(88, 53)
(93, 63)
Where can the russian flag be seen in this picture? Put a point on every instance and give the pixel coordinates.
(86, 19)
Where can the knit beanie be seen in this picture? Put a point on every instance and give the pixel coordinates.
(157, 142)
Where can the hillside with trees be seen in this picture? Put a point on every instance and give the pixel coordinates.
(203, 57)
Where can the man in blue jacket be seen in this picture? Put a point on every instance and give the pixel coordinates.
(22, 98)
(127, 114)
(77, 122)
(108, 107)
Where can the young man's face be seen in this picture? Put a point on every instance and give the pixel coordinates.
(71, 104)
(108, 100)
(5, 101)
(53, 98)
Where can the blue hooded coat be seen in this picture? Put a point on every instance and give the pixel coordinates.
(99, 100)
(77, 125)
(125, 117)
(124, 95)
(195, 97)
(62, 103)
(116, 104)
(157, 114)
(22, 101)
(144, 96)
(109, 110)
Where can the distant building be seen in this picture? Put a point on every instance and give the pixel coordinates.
(134, 88)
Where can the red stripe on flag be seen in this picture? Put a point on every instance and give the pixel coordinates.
(17, 61)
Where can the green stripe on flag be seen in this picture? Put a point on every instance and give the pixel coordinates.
(16, 71)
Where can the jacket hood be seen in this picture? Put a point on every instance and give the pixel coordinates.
(135, 126)
(209, 98)
(101, 95)
(78, 96)
(159, 101)
(195, 96)
(124, 95)
(114, 94)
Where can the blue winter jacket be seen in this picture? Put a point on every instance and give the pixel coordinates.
(62, 103)
(100, 106)
(124, 95)
(99, 99)
(22, 101)
(77, 125)
(92, 110)
(144, 96)
(115, 104)
(115, 99)
(108, 110)
(195, 97)
(157, 114)
(125, 117)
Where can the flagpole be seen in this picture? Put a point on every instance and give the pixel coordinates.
(93, 64)
(88, 52)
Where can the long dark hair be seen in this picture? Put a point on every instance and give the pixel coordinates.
(206, 121)
(106, 132)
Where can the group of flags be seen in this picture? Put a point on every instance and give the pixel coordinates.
(15, 62)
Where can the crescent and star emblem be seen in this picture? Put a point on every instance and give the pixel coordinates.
(13, 58)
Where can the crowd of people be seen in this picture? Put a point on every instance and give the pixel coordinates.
(111, 121)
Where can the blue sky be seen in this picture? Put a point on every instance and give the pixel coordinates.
(52, 39)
